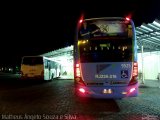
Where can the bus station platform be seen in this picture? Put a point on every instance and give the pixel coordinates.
(150, 83)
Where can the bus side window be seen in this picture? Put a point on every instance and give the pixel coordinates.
(46, 63)
(49, 65)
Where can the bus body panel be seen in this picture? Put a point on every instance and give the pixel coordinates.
(32, 71)
(116, 91)
(108, 73)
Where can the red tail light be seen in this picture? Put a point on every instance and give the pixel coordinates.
(132, 90)
(135, 69)
(134, 79)
(78, 75)
(82, 90)
(81, 20)
(127, 18)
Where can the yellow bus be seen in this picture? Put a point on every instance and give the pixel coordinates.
(39, 67)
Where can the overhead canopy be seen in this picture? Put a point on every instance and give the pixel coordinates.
(61, 55)
(148, 36)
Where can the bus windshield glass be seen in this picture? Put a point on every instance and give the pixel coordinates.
(32, 60)
(102, 50)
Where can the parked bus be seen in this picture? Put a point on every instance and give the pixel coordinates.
(105, 58)
(38, 67)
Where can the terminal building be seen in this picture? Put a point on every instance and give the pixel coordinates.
(148, 44)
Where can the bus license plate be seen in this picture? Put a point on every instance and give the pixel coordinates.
(107, 91)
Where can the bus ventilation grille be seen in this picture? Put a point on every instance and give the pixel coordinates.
(95, 84)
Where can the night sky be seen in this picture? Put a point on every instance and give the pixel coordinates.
(33, 28)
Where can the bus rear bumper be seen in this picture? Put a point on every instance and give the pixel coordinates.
(108, 92)
(38, 77)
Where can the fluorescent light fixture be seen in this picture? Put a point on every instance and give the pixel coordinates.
(142, 29)
(153, 26)
(156, 23)
(149, 41)
(157, 33)
(155, 38)
(138, 32)
(146, 28)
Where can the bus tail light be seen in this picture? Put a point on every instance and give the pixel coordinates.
(134, 79)
(135, 69)
(82, 90)
(132, 90)
(81, 20)
(78, 75)
(127, 18)
(78, 72)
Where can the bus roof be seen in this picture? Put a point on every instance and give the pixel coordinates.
(106, 18)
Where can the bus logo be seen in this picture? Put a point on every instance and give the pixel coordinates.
(124, 73)
(104, 28)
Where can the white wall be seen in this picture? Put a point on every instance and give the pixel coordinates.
(151, 64)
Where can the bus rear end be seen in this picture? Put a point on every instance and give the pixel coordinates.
(32, 67)
(106, 67)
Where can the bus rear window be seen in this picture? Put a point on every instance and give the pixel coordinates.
(114, 50)
(32, 60)
(104, 28)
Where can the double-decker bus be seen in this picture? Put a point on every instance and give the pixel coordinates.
(39, 67)
(105, 58)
